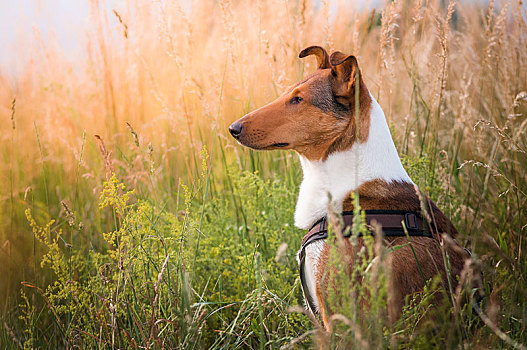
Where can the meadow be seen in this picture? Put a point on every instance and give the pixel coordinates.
(129, 218)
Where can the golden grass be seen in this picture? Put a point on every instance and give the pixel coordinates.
(158, 82)
(166, 71)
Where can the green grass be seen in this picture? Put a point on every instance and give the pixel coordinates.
(206, 274)
(164, 233)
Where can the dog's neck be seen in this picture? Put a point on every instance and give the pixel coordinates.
(342, 172)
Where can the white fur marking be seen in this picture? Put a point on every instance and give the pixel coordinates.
(312, 252)
(343, 172)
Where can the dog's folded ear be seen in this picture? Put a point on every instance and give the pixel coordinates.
(320, 53)
(345, 71)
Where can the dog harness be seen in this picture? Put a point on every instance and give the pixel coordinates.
(392, 226)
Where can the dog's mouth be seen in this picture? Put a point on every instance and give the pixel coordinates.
(275, 146)
(259, 147)
(280, 144)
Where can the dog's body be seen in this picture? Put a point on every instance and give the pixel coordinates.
(342, 152)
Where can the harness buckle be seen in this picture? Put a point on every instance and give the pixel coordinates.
(410, 220)
(322, 223)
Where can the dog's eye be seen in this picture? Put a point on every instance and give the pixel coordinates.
(296, 100)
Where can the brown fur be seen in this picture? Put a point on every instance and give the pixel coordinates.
(405, 277)
(378, 194)
(320, 53)
(324, 122)
(345, 92)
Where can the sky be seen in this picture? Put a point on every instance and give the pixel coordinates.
(63, 20)
(59, 21)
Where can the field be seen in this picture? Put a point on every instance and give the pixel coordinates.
(129, 218)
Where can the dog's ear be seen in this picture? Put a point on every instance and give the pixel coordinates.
(320, 53)
(344, 71)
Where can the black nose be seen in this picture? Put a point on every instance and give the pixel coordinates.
(235, 129)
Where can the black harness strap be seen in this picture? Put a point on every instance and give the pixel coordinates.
(392, 227)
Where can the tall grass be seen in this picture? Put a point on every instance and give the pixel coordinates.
(202, 252)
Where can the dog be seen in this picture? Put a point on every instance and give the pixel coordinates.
(344, 144)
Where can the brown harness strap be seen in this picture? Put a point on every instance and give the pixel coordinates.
(392, 225)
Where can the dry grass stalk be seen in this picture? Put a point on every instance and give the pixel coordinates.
(153, 324)
(106, 156)
(502, 335)
(134, 134)
(353, 327)
(13, 103)
(13, 336)
(122, 22)
(386, 57)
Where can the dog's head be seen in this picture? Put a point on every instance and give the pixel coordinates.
(314, 117)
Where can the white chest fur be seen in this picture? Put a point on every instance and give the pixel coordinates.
(310, 272)
(327, 183)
